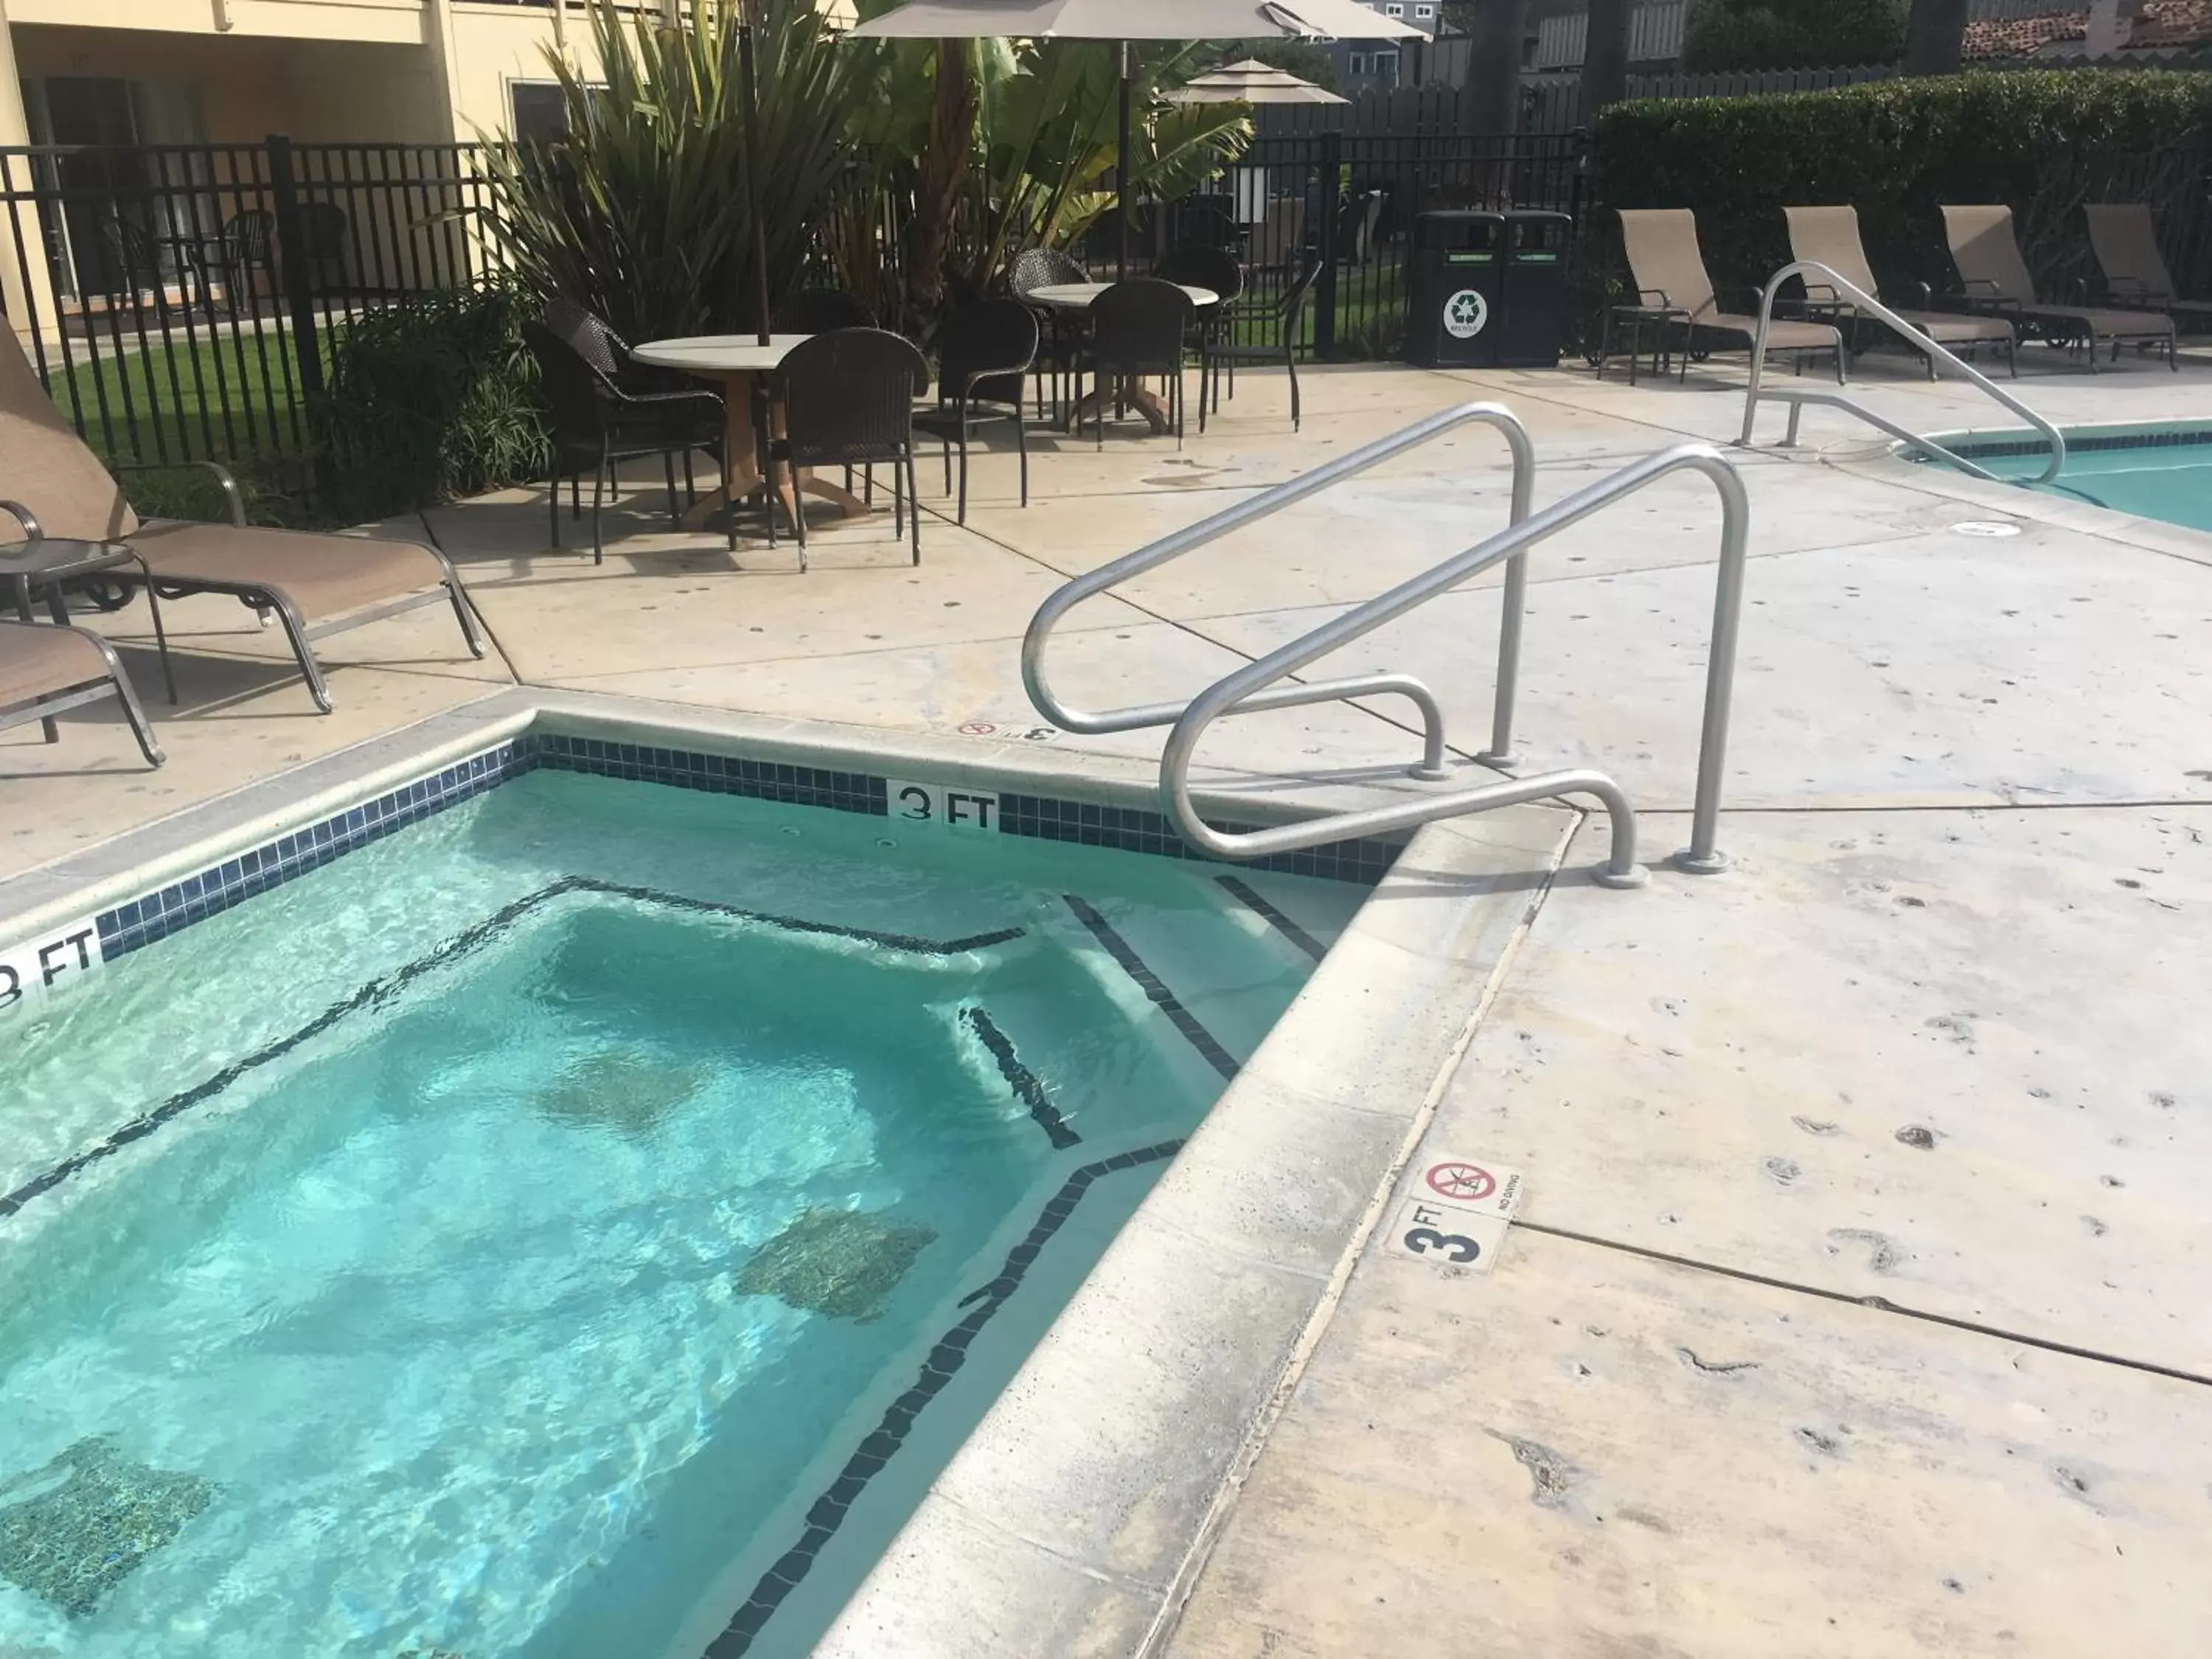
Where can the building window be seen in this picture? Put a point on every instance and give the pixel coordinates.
(1393, 9)
(1386, 65)
(1357, 62)
(1423, 14)
(541, 112)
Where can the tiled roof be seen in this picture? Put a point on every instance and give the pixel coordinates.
(2160, 23)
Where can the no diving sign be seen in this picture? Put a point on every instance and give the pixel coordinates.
(1456, 1212)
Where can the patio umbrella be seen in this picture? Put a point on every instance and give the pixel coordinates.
(1125, 21)
(1251, 82)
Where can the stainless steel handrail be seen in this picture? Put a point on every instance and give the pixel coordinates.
(1236, 690)
(1862, 300)
(1263, 506)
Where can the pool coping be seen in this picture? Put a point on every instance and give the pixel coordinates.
(1066, 1520)
(1889, 463)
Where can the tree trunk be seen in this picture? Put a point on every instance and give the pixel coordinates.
(944, 169)
(1490, 103)
(1605, 57)
(1934, 37)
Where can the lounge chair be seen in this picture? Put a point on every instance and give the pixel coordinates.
(1993, 276)
(2135, 275)
(315, 585)
(1674, 290)
(45, 670)
(1830, 236)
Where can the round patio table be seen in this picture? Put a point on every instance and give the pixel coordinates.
(737, 360)
(1078, 297)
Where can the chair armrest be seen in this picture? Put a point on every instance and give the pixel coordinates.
(33, 530)
(233, 501)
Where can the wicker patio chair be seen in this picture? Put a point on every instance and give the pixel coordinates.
(985, 354)
(847, 400)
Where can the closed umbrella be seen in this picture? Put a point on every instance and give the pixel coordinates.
(1251, 82)
(1125, 21)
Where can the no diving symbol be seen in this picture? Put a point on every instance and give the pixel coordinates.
(1467, 313)
(1465, 1182)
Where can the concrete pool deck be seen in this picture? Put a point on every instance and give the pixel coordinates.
(1859, 1304)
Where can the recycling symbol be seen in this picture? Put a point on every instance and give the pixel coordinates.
(1466, 314)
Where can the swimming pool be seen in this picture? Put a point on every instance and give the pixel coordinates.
(2161, 472)
(533, 1213)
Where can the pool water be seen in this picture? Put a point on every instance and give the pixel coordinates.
(585, 1219)
(2165, 474)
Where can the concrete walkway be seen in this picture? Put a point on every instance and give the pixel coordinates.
(1859, 1303)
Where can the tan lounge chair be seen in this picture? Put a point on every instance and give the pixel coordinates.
(1830, 236)
(2125, 242)
(1993, 276)
(45, 670)
(315, 585)
(1672, 288)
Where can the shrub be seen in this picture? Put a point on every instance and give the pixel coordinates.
(430, 400)
(2042, 141)
(1784, 34)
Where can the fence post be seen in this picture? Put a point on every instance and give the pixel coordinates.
(295, 270)
(1332, 193)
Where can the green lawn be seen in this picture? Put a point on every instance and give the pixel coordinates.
(231, 396)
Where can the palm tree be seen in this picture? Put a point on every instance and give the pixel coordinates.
(1605, 55)
(1936, 37)
(1491, 103)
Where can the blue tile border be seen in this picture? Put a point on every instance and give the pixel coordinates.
(2087, 444)
(216, 889)
(208, 893)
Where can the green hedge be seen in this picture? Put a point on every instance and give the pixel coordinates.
(431, 400)
(2043, 141)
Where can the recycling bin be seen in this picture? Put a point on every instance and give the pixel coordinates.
(1532, 296)
(1454, 292)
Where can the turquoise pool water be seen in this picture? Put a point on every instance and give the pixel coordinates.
(2164, 474)
(585, 1219)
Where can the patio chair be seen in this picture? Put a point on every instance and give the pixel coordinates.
(596, 422)
(315, 585)
(1062, 333)
(1280, 235)
(1137, 328)
(45, 670)
(1218, 270)
(1992, 277)
(822, 310)
(597, 342)
(1674, 290)
(847, 400)
(1830, 235)
(1284, 326)
(2125, 242)
(984, 356)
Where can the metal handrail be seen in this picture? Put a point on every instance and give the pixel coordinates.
(1860, 299)
(1236, 690)
(1174, 546)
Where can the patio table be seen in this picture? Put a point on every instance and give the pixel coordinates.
(1078, 297)
(738, 361)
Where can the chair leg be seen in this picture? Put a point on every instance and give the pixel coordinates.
(1290, 362)
(914, 489)
(553, 500)
(798, 517)
(1022, 445)
(598, 494)
(963, 479)
(576, 494)
(161, 637)
(295, 631)
(675, 512)
(947, 442)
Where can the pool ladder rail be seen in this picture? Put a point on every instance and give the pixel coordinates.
(1254, 687)
(1858, 300)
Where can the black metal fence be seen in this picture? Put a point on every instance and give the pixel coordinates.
(179, 301)
(1349, 200)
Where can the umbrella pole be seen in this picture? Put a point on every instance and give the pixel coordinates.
(745, 70)
(1121, 170)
